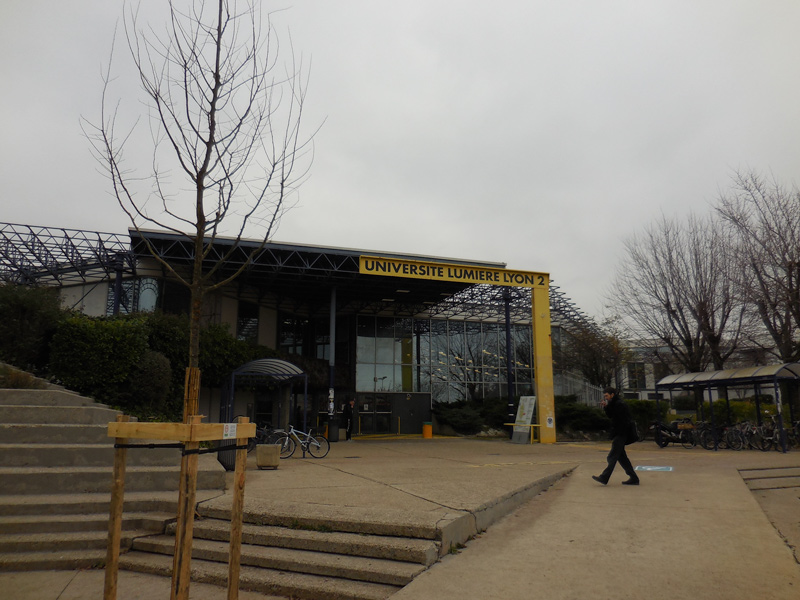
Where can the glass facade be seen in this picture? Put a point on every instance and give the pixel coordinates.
(453, 360)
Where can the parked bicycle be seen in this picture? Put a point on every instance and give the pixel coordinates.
(316, 445)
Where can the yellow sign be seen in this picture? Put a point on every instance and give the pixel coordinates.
(414, 269)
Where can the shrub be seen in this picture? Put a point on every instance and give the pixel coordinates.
(147, 394)
(464, 419)
(96, 356)
(29, 316)
(571, 415)
(494, 412)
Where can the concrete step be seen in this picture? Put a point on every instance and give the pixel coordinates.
(94, 414)
(60, 560)
(72, 480)
(45, 398)
(424, 552)
(76, 504)
(313, 517)
(266, 581)
(65, 541)
(55, 433)
(82, 455)
(357, 568)
(152, 522)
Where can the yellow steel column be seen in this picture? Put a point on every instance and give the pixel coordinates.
(543, 363)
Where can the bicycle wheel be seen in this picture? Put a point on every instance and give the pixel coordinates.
(318, 446)
(765, 442)
(733, 439)
(755, 440)
(662, 441)
(275, 437)
(287, 445)
(251, 445)
(687, 438)
(707, 439)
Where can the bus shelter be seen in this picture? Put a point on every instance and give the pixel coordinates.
(757, 377)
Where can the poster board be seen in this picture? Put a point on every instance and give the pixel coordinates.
(525, 412)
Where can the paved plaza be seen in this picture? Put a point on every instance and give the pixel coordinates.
(701, 524)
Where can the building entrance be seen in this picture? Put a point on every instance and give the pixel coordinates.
(392, 412)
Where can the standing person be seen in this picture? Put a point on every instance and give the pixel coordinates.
(348, 415)
(620, 416)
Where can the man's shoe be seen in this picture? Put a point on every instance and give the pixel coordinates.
(600, 479)
(631, 481)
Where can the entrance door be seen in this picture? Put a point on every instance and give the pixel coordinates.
(392, 412)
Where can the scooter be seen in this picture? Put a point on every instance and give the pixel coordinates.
(677, 432)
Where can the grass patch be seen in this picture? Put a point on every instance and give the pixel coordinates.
(14, 379)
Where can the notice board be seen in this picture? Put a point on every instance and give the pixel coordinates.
(525, 412)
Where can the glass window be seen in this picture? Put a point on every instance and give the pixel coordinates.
(439, 348)
(290, 334)
(422, 347)
(247, 322)
(365, 377)
(384, 378)
(491, 345)
(636, 376)
(474, 345)
(148, 294)
(365, 341)
(501, 345)
(384, 340)
(404, 342)
(523, 344)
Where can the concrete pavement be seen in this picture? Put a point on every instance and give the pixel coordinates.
(697, 529)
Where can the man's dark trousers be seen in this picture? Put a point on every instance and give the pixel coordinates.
(618, 455)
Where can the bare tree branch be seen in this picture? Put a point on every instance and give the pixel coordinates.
(224, 116)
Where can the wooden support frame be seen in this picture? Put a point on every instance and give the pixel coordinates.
(190, 434)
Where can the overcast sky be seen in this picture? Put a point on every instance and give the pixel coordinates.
(535, 133)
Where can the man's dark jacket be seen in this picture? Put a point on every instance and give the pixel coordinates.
(620, 416)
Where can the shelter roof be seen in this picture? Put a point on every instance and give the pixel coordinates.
(731, 377)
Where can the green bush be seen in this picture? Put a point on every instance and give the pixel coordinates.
(683, 403)
(644, 412)
(29, 316)
(571, 415)
(740, 410)
(494, 412)
(96, 356)
(147, 394)
(462, 417)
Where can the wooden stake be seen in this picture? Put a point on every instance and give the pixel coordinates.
(182, 561)
(115, 516)
(237, 510)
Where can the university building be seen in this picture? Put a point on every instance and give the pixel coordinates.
(397, 332)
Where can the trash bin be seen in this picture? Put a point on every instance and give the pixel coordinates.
(333, 431)
(427, 430)
(227, 458)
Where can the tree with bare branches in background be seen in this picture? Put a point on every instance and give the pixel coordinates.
(675, 286)
(764, 216)
(225, 152)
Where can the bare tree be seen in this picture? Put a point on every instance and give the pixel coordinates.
(226, 151)
(597, 352)
(675, 287)
(765, 218)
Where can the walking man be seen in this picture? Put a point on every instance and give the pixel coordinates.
(620, 416)
(348, 419)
